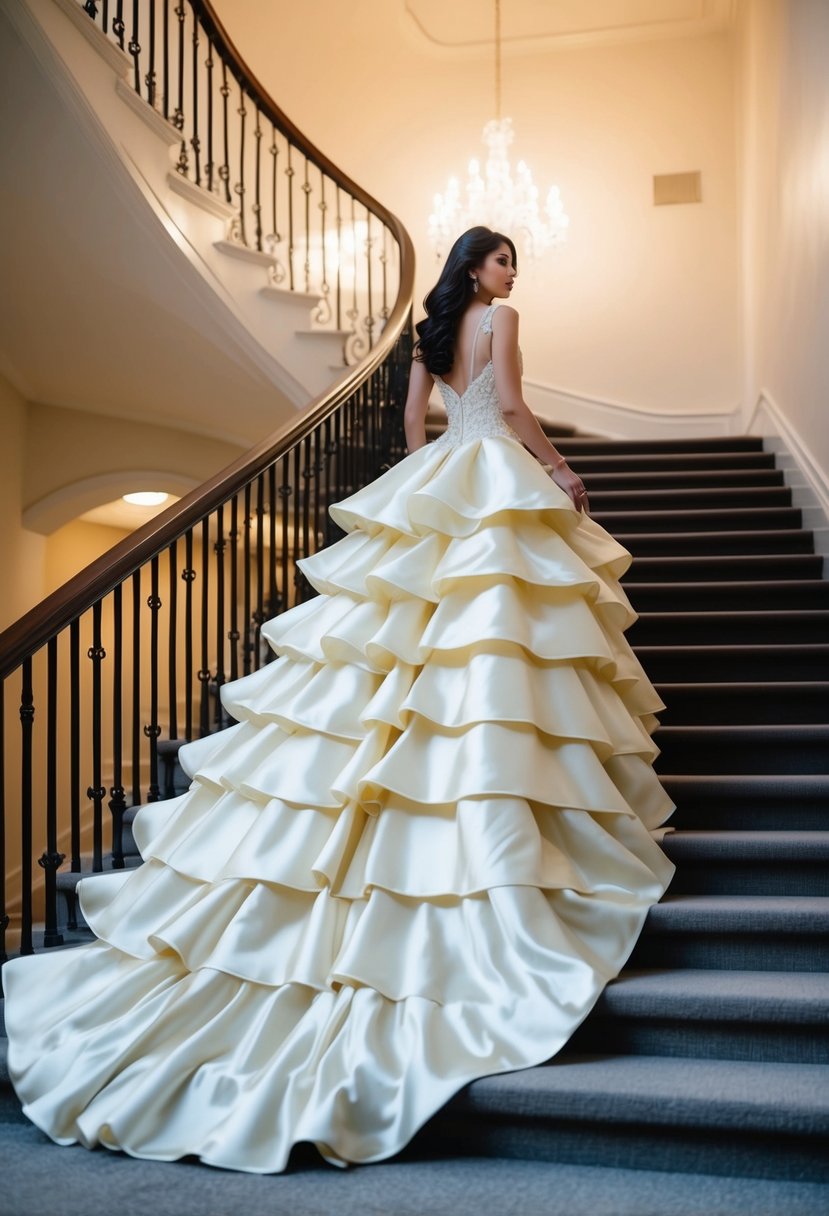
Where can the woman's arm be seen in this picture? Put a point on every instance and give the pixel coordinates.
(417, 403)
(515, 409)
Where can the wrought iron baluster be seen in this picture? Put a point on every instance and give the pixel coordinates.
(75, 746)
(316, 482)
(136, 688)
(257, 205)
(219, 549)
(233, 634)
(240, 185)
(297, 521)
(152, 729)
(208, 63)
(195, 143)
(172, 642)
(259, 615)
(307, 474)
(306, 190)
(188, 574)
(274, 597)
(51, 858)
(289, 173)
(166, 60)
(118, 25)
(182, 164)
(369, 306)
(117, 796)
(149, 79)
(96, 791)
(27, 718)
(134, 47)
(224, 168)
(246, 605)
(285, 492)
(204, 670)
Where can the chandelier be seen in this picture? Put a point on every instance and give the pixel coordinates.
(508, 205)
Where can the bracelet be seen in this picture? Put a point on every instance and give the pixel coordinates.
(560, 463)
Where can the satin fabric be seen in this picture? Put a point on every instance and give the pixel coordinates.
(417, 859)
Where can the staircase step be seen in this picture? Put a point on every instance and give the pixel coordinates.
(743, 749)
(690, 479)
(719, 444)
(730, 664)
(588, 463)
(759, 625)
(773, 1016)
(769, 1120)
(787, 701)
(785, 594)
(738, 932)
(749, 802)
(713, 497)
(733, 862)
(735, 522)
(713, 567)
(775, 541)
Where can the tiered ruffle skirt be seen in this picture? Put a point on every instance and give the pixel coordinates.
(428, 844)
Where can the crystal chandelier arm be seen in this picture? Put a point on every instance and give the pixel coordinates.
(507, 371)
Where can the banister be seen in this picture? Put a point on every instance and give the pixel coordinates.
(54, 613)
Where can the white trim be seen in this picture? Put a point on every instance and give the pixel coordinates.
(200, 196)
(67, 503)
(808, 482)
(118, 60)
(618, 420)
(155, 120)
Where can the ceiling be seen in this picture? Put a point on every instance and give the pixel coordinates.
(530, 26)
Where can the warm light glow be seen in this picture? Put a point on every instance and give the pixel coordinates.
(499, 202)
(146, 498)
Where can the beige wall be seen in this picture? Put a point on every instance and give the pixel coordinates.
(783, 56)
(641, 307)
(21, 551)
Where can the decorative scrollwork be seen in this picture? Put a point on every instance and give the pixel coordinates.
(51, 861)
(96, 792)
(188, 575)
(152, 732)
(276, 273)
(323, 312)
(96, 653)
(203, 675)
(154, 602)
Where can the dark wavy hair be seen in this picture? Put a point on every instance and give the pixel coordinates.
(448, 299)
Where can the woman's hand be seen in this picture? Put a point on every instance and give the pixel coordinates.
(573, 485)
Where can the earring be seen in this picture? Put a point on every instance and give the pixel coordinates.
(475, 285)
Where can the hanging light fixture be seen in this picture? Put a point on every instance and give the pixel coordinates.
(499, 201)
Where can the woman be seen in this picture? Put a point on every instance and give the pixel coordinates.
(428, 843)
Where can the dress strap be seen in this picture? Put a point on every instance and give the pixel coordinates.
(484, 320)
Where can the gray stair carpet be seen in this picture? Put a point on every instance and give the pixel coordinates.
(699, 1084)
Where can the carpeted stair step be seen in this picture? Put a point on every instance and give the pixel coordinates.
(738, 932)
(767, 1120)
(711, 543)
(759, 663)
(715, 628)
(717, 519)
(773, 1016)
(682, 497)
(719, 444)
(789, 701)
(699, 479)
(797, 802)
(743, 749)
(615, 461)
(692, 569)
(735, 862)
(783, 594)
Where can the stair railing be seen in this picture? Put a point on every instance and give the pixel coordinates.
(139, 644)
(324, 234)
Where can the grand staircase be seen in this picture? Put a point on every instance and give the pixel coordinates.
(700, 1082)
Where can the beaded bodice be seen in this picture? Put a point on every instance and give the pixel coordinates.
(477, 411)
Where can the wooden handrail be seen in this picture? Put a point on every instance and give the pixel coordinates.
(55, 612)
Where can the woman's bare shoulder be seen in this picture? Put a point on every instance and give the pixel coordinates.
(510, 314)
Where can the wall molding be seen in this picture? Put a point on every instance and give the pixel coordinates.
(619, 420)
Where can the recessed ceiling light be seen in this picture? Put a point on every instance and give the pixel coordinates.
(146, 498)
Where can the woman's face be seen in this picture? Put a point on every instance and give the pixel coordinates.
(497, 273)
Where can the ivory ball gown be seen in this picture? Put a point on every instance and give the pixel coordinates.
(417, 859)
